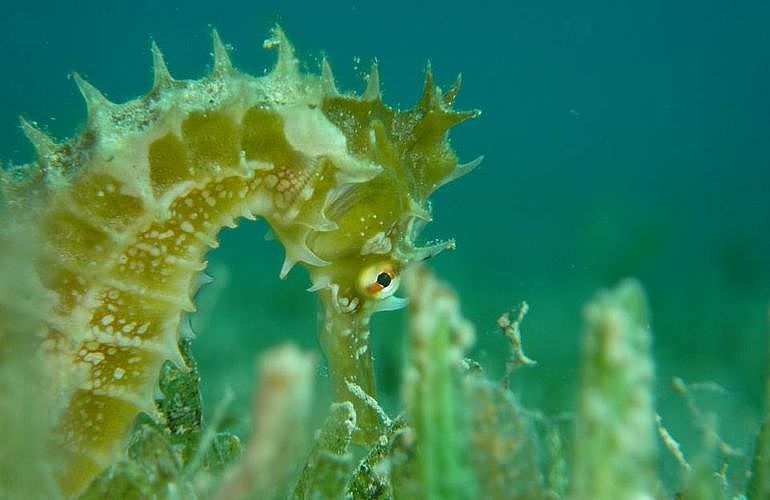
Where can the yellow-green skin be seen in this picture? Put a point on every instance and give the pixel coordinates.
(127, 211)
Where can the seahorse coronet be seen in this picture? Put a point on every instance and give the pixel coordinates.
(127, 209)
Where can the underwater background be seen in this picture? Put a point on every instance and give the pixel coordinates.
(620, 139)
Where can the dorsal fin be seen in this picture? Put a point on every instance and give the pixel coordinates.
(372, 92)
(327, 78)
(95, 100)
(287, 64)
(222, 63)
(44, 145)
(161, 76)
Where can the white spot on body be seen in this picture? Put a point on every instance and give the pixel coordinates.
(94, 358)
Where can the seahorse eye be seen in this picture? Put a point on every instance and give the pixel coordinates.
(384, 279)
(378, 281)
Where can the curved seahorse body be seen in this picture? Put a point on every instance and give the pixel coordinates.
(128, 209)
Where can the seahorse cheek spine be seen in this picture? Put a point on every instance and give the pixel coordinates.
(129, 208)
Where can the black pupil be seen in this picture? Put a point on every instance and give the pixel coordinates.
(383, 279)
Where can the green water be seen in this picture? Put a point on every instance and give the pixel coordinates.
(621, 139)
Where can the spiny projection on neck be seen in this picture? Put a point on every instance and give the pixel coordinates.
(127, 210)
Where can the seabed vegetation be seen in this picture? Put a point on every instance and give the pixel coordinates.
(461, 432)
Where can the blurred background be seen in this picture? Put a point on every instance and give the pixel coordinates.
(622, 138)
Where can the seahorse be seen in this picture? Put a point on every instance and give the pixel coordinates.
(127, 210)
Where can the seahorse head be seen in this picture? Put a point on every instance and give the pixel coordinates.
(400, 158)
